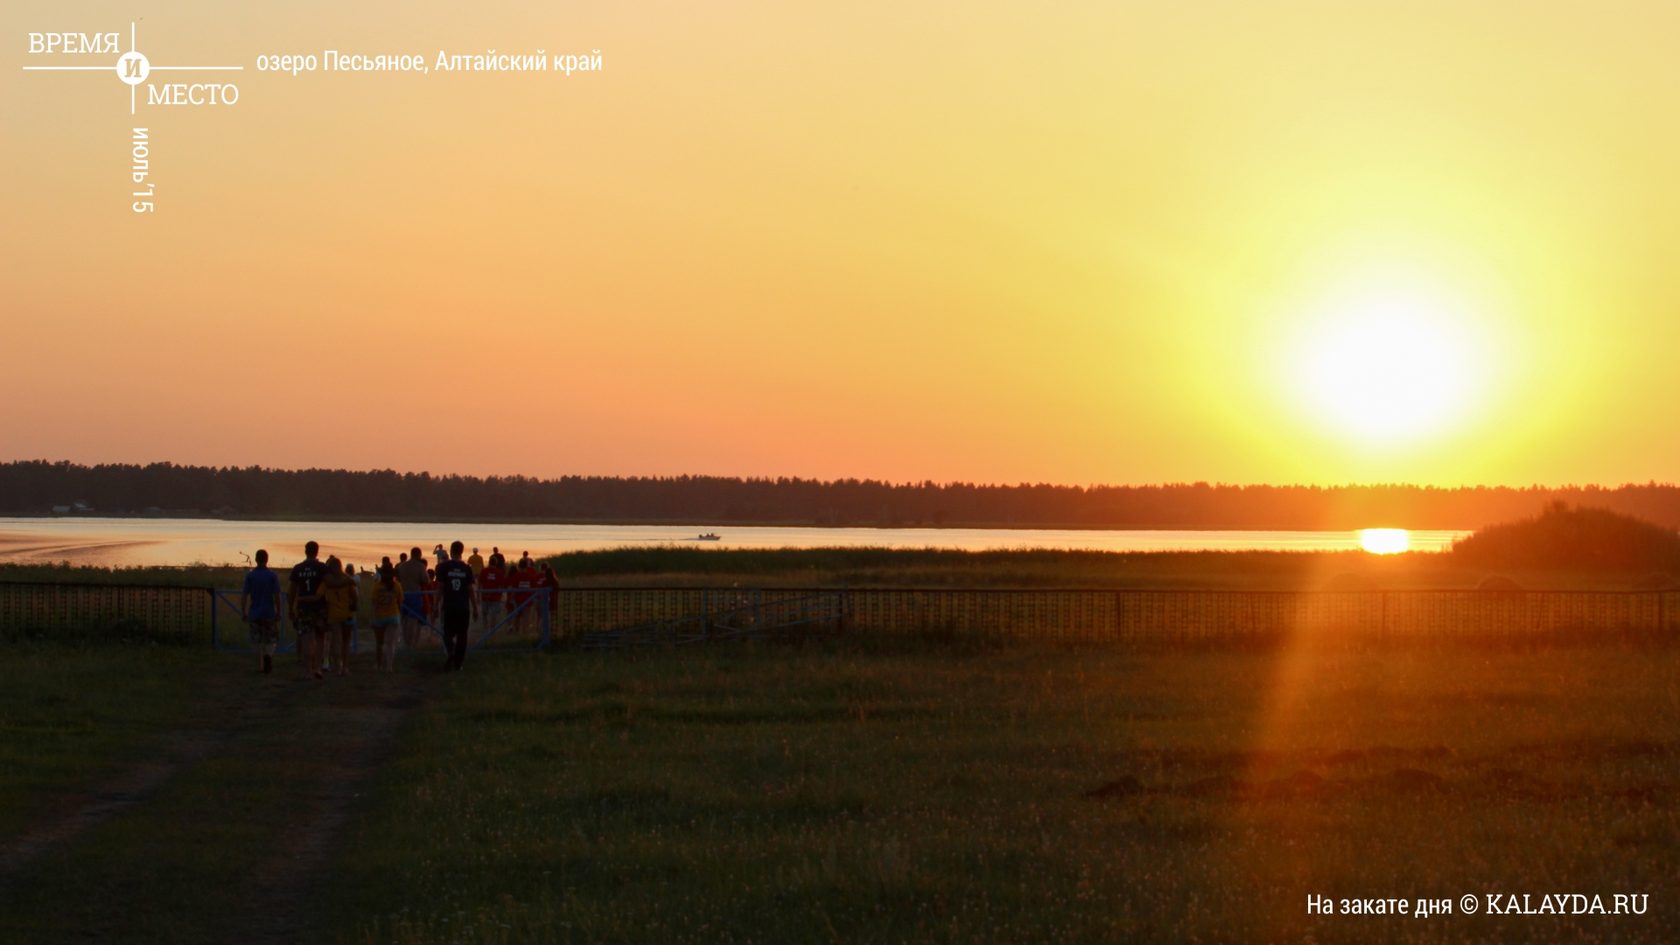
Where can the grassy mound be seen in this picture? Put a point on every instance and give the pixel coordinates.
(1575, 538)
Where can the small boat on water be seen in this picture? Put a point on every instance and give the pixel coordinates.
(709, 536)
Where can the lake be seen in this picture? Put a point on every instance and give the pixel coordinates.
(127, 542)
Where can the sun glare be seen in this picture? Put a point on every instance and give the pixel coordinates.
(1385, 541)
(1386, 364)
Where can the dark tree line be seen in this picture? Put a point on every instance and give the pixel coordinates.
(36, 487)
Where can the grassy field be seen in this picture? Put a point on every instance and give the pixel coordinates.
(197, 814)
(1020, 795)
(903, 792)
(1236, 570)
(69, 716)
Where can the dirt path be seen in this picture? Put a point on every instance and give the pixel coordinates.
(319, 742)
(342, 762)
(232, 705)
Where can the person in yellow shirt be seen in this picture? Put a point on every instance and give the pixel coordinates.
(339, 592)
(387, 617)
(476, 562)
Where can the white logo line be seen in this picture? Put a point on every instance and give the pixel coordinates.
(132, 67)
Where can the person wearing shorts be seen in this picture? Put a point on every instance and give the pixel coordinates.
(411, 574)
(458, 596)
(259, 606)
(387, 608)
(309, 608)
(339, 590)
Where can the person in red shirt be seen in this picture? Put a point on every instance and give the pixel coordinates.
(491, 582)
(526, 581)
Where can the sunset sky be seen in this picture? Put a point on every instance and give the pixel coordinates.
(1084, 242)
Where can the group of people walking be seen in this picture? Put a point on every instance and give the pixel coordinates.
(323, 599)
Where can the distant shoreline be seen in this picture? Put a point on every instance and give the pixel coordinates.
(711, 523)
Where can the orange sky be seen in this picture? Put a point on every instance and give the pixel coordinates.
(971, 240)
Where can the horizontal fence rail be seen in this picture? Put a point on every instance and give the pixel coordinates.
(581, 614)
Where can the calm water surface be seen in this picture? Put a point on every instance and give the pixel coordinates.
(163, 541)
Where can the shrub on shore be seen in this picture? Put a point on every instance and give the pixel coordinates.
(1575, 538)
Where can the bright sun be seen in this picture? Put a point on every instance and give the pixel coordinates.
(1387, 363)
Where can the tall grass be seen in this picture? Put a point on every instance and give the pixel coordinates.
(1021, 794)
(63, 573)
(937, 567)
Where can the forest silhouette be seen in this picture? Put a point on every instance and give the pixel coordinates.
(37, 487)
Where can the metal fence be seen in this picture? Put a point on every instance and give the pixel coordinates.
(1150, 616)
(1199, 615)
(46, 609)
(514, 624)
(1065, 614)
(746, 616)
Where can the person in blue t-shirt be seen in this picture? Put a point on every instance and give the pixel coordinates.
(259, 607)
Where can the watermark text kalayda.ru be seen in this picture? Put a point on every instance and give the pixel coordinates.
(1493, 903)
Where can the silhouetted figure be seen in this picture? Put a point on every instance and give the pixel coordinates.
(458, 594)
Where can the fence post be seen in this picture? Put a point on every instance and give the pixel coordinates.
(547, 597)
(215, 633)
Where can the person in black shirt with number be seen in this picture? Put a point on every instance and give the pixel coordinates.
(459, 593)
(309, 608)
